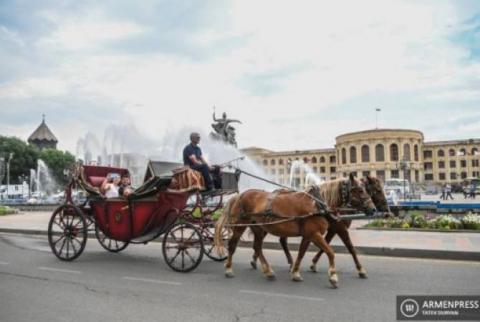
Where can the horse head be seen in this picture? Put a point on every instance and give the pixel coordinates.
(355, 195)
(374, 188)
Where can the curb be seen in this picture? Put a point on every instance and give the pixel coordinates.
(361, 250)
(470, 231)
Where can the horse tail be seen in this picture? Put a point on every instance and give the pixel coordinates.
(224, 218)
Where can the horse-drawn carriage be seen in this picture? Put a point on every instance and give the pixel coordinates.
(183, 215)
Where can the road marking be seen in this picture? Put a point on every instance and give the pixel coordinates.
(150, 280)
(4, 263)
(51, 269)
(282, 295)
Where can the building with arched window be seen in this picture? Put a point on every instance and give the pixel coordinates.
(379, 153)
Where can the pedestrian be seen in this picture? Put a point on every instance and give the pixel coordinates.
(442, 196)
(448, 191)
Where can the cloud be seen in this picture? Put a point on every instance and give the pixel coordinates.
(296, 76)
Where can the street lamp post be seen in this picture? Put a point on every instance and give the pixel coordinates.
(404, 166)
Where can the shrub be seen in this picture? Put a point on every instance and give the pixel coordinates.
(6, 210)
(471, 221)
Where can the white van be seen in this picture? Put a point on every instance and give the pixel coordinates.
(397, 186)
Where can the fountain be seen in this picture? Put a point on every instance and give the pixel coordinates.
(42, 182)
(299, 168)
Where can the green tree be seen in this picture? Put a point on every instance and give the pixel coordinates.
(57, 161)
(24, 158)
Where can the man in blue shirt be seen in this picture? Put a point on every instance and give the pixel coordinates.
(192, 156)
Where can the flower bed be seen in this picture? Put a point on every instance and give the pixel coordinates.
(418, 220)
(6, 210)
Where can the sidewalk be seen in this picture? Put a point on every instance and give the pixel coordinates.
(438, 245)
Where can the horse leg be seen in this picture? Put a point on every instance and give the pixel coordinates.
(318, 239)
(345, 237)
(301, 252)
(259, 235)
(330, 234)
(253, 262)
(283, 242)
(232, 246)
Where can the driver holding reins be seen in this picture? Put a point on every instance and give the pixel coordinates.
(192, 156)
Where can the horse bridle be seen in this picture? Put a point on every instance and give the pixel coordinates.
(346, 194)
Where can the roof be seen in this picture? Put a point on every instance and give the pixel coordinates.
(42, 133)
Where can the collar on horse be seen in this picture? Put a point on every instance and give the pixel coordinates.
(346, 194)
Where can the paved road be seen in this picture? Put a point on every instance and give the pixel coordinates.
(136, 285)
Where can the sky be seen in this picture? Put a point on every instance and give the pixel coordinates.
(296, 73)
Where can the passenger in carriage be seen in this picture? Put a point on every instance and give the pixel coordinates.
(192, 157)
(110, 186)
(125, 188)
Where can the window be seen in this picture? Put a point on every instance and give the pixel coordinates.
(314, 160)
(379, 153)
(393, 152)
(353, 154)
(333, 159)
(406, 151)
(464, 175)
(344, 156)
(462, 152)
(453, 176)
(265, 162)
(441, 164)
(417, 176)
(427, 154)
(394, 174)
(281, 171)
(474, 151)
(365, 153)
(280, 161)
(428, 176)
(305, 160)
(440, 153)
(273, 171)
(474, 163)
(314, 169)
(451, 152)
(463, 163)
(322, 159)
(453, 164)
(428, 165)
(441, 176)
(322, 169)
(333, 169)
(415, 152)
(272, 162)
(365, 173)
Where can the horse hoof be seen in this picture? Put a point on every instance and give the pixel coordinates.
(229, 274)
(362, 273)
(334, 280)
(253, 264)
(313, 268)
(271, 276)
(297, 278)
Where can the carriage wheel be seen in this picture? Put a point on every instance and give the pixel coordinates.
(208, 236)
(109, 244)
(182, 247)
(67, 232)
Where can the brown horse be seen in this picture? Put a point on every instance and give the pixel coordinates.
(286, 214)
(374, 188)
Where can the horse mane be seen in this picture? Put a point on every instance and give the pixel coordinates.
(329, 191)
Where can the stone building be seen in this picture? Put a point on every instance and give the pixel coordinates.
(385, 153)
(43, 137)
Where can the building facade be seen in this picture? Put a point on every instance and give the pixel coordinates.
(384, 153)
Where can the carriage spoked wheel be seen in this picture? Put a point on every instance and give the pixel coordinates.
(208, 236)
(67, 232)
(182, 247)
(109, 244)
